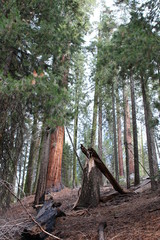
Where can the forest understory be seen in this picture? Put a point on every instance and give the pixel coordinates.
(135, 216)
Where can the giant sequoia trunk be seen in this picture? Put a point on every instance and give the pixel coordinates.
(55, 160)
(56, 144)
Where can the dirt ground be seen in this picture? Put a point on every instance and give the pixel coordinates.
(128, 217)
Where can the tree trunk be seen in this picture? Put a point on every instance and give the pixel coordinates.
(41, 186)
(19, 173)
(153, 165)
(75, 146)
(94, 121)
(100, 151)
(24, 166)
(120, 151)
(90, 191)
(57, 139)
(75, 136)
(135, 139)
(142, 154)
(125, 140)
(39, 158)
(66, 164)
(157, 147)
(55, 160)
(129, 138)
(115, 134)
(29, 177)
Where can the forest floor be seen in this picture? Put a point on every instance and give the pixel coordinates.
(128, 217)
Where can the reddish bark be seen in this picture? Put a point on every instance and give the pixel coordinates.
(56, 144)
(55, 159)
(129, 139)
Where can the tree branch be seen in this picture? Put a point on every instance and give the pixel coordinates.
(74, 149)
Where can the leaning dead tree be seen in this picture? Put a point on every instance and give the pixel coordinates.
(90, 191)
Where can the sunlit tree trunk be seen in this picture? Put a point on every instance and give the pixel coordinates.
(135, 138)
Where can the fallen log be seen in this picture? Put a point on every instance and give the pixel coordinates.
(146, 184)
(46, 218)
(110, 196)
(101, 228)
(90, 152)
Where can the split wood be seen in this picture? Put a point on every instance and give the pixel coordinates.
(90, 152)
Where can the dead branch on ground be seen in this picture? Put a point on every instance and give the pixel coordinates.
(6, 185)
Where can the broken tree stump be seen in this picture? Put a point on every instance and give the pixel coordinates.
(46, 218)
(90, 191)
(90, 152)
